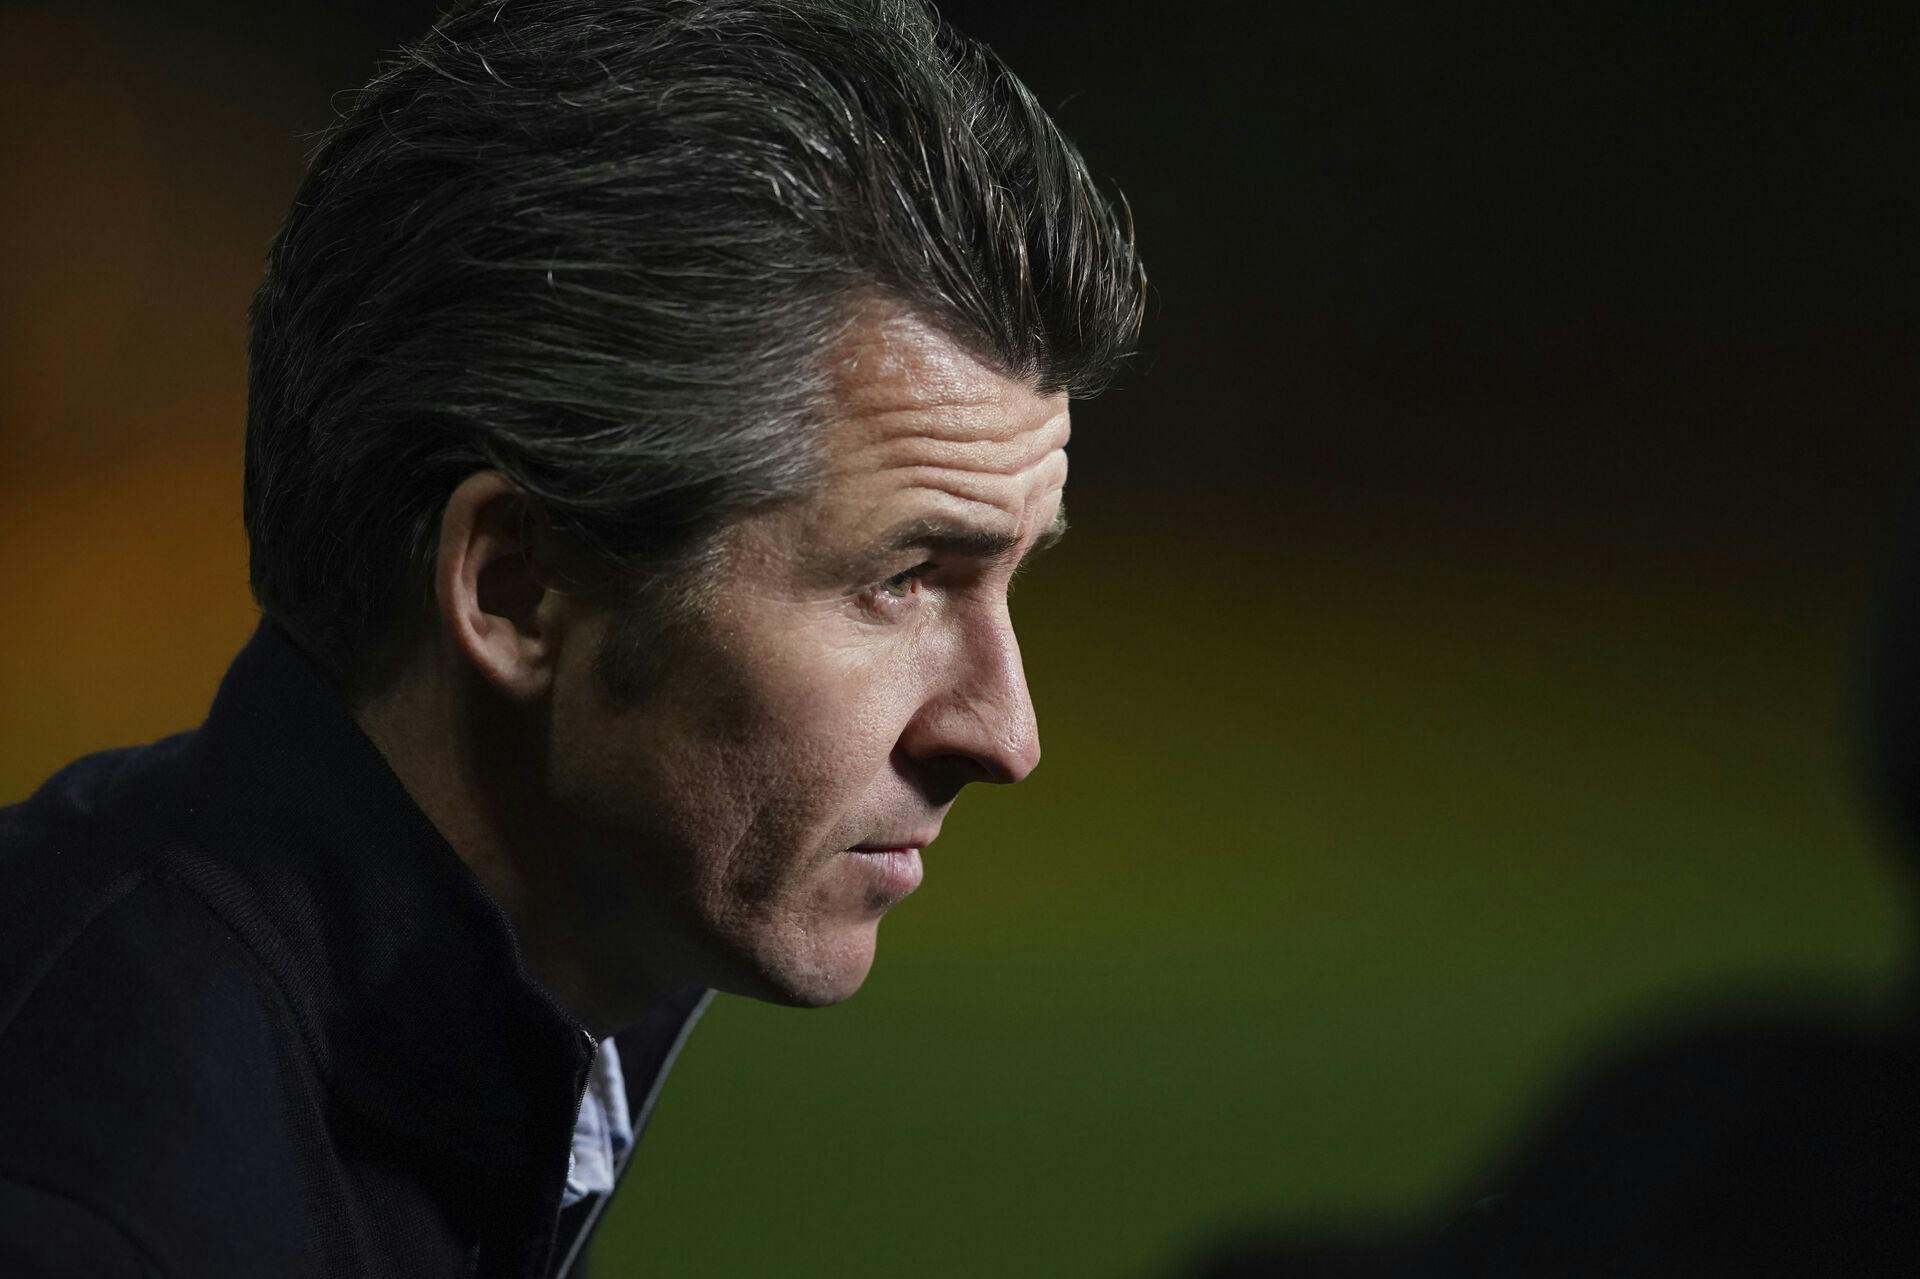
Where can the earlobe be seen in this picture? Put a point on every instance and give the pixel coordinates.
(490, 590)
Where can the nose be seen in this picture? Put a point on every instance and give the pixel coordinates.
(976, 722)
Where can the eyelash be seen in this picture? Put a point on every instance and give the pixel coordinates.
(885, 593)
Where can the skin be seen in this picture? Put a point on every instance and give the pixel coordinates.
(852, 666)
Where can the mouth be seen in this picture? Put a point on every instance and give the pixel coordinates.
(894, 870)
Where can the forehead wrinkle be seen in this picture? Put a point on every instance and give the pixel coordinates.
(969, 497)
(1009, 502)
(983, 421)
(1008, 491)
(987, 468)
(972, 454)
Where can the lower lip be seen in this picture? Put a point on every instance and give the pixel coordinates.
(896, 871)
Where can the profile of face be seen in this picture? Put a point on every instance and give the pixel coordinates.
(747, 822)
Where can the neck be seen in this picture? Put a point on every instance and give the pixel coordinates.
(472, 762)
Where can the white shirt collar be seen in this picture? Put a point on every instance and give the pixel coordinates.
(603, 1134)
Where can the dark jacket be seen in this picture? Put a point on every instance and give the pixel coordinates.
(257, 1018)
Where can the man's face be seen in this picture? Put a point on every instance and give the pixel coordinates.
(853, 665)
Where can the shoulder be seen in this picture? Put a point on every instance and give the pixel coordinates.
(44, 1233)
(151, 1074)
(78, 843)
(82, 858)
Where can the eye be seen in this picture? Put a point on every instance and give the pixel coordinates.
(903, 585)
(896, 591)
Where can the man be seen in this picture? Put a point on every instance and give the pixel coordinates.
(649, 405)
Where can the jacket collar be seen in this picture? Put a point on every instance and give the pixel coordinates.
(403, 972)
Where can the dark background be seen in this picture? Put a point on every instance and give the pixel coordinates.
(1453, 671)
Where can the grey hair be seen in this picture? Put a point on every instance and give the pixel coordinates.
(605, 247)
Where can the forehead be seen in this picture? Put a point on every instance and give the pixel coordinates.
(919, 425)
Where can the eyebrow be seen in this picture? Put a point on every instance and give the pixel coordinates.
(948, 537)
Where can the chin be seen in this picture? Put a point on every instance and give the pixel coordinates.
(822, 970)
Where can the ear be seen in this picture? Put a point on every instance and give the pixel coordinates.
(495, 603)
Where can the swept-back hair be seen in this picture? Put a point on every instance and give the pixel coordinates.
(606, 247)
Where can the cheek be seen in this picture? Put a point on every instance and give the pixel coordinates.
(815, 768)
(811, 760)
(763, 756)
(819, 709)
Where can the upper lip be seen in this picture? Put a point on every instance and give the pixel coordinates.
(891, 845)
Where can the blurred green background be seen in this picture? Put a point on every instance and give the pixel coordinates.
(1345, 849)
(1453, 670)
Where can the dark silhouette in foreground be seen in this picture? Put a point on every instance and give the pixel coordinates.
(1771, 1147)
(1772, 1139)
